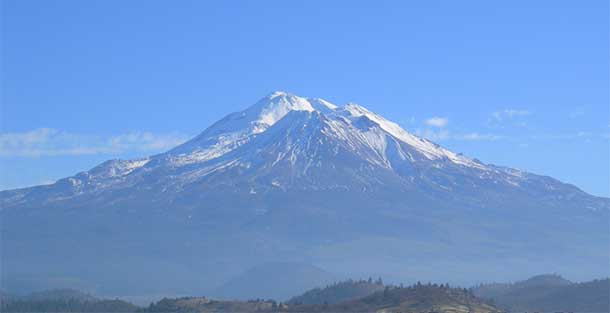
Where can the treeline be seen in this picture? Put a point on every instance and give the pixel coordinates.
(549, 293)
(338, 292)
(542, 294)
(414, 298)
(66, 305)
(203, 305)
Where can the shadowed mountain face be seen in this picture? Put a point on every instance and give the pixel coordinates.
(297, 180)
(262, 281)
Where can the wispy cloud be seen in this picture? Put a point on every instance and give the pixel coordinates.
(53, 142)
(444, 134)
(437, 121)
(434, 135)
(509, 114)
(479, 137)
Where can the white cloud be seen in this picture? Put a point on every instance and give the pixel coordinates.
(146, 141)
(53, 142)
(437, 121)
(444, 134)
(509, 114)
(479, 137)
(433, 135)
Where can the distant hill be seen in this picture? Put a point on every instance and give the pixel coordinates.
(5, 295)
(204, 305)
(418, 298)
(549, 293)
(63, 300)
(99, 306)
(533, 287)
(61, 294)
(52, 294)
(338, 292)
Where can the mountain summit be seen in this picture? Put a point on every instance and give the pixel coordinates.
(293, 179)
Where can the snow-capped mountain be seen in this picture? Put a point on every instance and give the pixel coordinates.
(302, 179)
(289, 142)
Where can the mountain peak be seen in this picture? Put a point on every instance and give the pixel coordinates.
(351, 122)
(274, 107)
(298, 103)
(278, 93)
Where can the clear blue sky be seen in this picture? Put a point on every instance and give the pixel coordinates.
(517, 83)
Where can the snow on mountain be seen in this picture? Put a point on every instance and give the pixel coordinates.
(289, 141)
(239, 128)
(426, 147)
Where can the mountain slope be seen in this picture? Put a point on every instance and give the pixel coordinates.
(299, 180)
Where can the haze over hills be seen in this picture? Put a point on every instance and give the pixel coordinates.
(417, 298)
(260, 282)
(548, 293)
(542, 293)
(297, 180)
(62, 300)
(338, 292)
